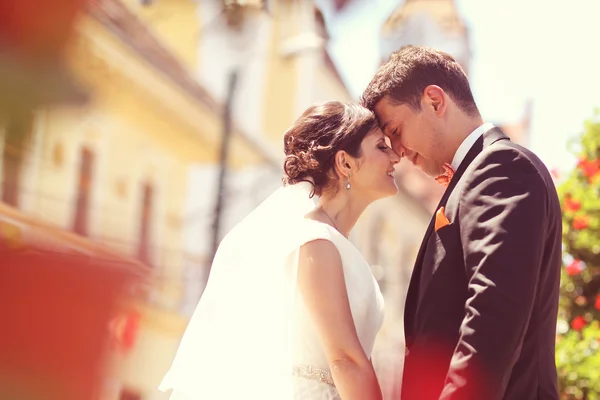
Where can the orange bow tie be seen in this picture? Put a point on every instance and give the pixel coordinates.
(445, 178)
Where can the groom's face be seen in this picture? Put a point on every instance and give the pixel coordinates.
(412, 134)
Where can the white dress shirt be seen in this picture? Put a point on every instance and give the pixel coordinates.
(469, 141)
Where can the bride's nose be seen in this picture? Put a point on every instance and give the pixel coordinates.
(395, 157)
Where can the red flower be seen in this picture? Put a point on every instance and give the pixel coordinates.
(574, 268)
(597, 304)
(581, 222)
(130, 330)
(572, 204)
(589, 168)
(578, 323)
(124, 329)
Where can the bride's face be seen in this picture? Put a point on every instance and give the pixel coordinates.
(375, 176)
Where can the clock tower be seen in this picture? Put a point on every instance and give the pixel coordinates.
(431, 23)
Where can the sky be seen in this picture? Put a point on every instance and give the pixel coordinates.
(521, 49)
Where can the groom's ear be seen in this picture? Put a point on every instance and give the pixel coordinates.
(435, 99)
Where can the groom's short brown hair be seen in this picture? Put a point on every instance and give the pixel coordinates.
(404, 77)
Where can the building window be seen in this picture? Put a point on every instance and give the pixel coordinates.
(86, 165)
(145, 224)
(17, 135)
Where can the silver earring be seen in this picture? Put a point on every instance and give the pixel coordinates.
(348, 183)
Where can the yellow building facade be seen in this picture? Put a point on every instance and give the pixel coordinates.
(117, 169)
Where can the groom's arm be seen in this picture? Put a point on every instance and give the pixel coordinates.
(502, 216)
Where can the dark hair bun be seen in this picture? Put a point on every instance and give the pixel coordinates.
(301, 165)
(311, 143)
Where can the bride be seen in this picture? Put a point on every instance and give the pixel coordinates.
(291, 308)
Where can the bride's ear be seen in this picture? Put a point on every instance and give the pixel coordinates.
(344, 164)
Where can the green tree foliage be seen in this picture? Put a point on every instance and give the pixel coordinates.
(578, 330)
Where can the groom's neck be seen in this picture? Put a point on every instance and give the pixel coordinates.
(461, 126)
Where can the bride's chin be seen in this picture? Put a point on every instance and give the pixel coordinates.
(393, 190)
(389, 192)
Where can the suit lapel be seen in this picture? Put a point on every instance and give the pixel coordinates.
(489, 137)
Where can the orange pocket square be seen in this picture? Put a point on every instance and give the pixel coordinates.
(440, 219)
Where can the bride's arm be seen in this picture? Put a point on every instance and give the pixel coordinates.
(321, 283)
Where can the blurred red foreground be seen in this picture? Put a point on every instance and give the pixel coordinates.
(59, 294)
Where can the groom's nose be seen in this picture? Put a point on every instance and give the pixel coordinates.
(408, 153)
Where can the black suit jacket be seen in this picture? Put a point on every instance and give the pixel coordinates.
(481, 309)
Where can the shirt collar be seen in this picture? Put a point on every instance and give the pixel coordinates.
(468, 142)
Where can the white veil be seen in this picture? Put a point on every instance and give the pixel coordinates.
(237, 344)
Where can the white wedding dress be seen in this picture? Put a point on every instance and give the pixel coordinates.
(251, 336)
(366, 304)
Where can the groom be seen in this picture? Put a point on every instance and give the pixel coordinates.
(481, 309)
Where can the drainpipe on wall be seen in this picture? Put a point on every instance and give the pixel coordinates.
(227, 125)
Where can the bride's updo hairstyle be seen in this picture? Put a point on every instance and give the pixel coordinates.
(311, 143)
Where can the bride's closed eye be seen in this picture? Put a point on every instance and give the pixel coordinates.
(383, 146)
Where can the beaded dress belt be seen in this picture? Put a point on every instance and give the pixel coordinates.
(312, 373)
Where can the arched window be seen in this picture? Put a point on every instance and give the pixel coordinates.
(145, 233)
(84, 191)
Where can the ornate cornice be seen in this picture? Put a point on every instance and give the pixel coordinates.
(133, 32)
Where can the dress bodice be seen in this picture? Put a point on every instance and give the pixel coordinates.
(267, 321)
(366, 305)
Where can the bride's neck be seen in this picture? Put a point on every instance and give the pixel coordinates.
(343, 210)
